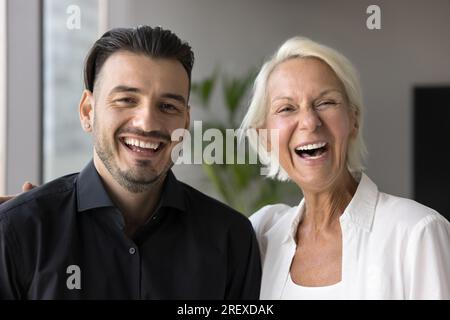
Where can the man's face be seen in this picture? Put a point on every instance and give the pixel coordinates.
(138, 101)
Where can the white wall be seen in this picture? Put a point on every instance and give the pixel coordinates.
(413, 47)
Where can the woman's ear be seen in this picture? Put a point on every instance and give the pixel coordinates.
(86, 110)
(354, 122)
(265, 138)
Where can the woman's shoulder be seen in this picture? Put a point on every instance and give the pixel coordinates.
(407, 213)
(268, 216)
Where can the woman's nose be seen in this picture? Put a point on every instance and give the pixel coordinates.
(309, 120)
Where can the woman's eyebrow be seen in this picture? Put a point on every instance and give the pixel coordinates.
(281, 98)
(326, 91)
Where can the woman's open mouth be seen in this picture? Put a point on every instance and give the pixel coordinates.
(312, 151)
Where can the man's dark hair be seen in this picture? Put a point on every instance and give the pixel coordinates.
(153, 42)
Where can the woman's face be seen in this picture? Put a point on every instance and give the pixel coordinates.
(308, 105)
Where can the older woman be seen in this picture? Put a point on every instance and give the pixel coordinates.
(346, 239)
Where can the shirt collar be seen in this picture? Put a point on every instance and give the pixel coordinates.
(361, 209)
(173, 193)
(90, 190)
(359, 212)
(91, 193)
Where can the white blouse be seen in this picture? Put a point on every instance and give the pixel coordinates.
(293, 291)
(392, 248)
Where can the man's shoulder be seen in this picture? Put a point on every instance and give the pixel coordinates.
(200, 203)
(45, 195)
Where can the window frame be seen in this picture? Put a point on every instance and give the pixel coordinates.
(23, 94)
(3, 114)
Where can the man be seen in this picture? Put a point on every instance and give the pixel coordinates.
(124, 227)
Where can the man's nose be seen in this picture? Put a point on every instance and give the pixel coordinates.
(147, 118)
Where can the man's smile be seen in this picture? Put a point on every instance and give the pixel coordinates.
(142, 147)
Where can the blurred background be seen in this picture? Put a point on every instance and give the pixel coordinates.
(404, 68)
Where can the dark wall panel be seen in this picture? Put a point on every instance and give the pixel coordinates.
(432, 148)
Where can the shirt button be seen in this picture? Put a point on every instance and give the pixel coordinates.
(132, 250)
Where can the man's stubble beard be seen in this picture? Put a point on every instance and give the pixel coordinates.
(132, 180)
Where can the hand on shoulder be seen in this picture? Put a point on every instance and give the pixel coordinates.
(27, 186)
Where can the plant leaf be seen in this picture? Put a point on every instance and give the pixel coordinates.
(203, 89)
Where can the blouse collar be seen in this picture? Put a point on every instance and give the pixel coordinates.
(359, 212)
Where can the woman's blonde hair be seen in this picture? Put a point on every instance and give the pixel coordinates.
(300, 47)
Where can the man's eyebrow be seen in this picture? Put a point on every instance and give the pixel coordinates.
(175, 96)
(122, 88)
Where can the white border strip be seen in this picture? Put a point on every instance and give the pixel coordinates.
(103, 17)
(3, 114)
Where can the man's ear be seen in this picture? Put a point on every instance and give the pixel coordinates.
(86, 110)
(188, 117)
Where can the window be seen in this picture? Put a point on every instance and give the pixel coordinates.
(70, 28)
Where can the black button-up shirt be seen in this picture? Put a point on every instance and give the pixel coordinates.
(66, 240)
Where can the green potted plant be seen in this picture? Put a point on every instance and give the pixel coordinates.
(240, 185)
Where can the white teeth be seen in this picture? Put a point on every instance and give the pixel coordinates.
(141, 144)
(312, 146)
